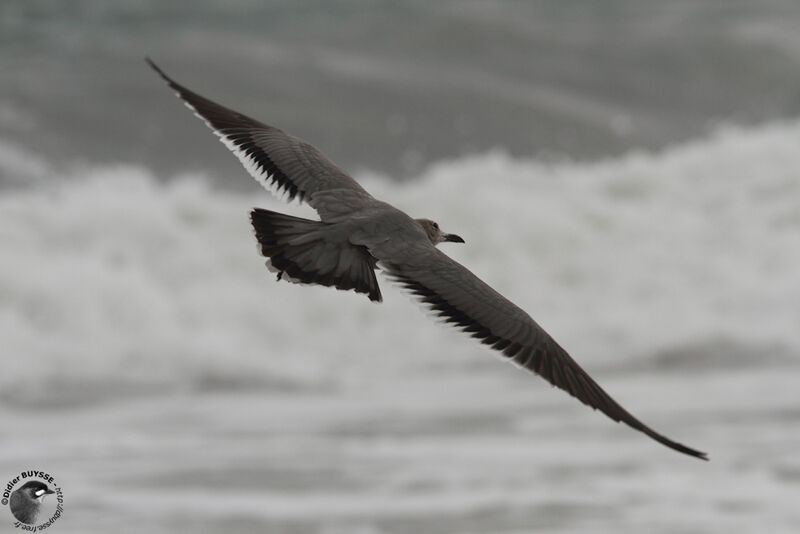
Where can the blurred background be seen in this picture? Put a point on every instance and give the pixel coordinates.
(627, 172)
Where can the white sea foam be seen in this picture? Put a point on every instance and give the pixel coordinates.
(115, 276)
(672, 277)
(20, 166)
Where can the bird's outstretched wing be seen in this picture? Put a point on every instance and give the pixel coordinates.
(462, 299)
(280, 162)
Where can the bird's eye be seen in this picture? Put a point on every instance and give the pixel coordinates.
(436, 225)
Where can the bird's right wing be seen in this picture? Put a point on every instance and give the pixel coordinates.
(460, 298)
(278, 161)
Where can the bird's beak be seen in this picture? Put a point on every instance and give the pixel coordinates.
(453, 238)
(41, 494)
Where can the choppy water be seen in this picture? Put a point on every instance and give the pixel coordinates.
(151, 364)
(171, 384)
(392, 86)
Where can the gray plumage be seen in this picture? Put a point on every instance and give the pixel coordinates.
(25, 502)
(357, 234)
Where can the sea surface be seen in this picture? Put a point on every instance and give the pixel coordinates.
(151, 363)
(171, 383)
(392, 86)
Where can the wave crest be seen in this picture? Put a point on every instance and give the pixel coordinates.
(117, 278)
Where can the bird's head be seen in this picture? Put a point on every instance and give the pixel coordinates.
(435, 233)
(35, 490)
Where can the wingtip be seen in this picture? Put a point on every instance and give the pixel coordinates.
(158, 70)
(697, 454)
(680, 447)
(152, 63)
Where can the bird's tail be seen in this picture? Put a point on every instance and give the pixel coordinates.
(312, 252)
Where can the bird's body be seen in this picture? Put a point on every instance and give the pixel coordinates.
(357, 234)
(25, 502)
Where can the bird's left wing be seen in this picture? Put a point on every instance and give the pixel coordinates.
(278, 161)
(460, 298)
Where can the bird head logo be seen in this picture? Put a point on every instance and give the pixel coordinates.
(26, 501)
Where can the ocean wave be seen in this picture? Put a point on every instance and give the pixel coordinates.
(117, 281)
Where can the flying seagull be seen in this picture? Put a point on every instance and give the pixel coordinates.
(357, 234)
